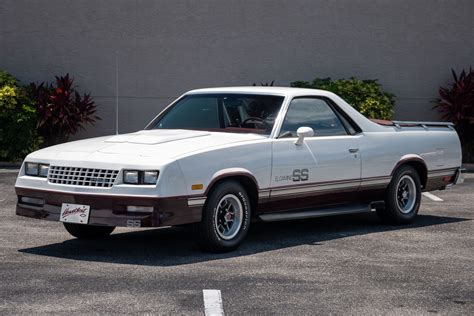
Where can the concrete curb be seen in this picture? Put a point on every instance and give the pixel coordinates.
(10, 165)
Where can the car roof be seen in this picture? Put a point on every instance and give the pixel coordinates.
(285, 91)
(362, 121)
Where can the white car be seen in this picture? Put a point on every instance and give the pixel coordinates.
(218, 158)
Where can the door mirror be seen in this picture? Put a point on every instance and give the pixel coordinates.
(303, 132)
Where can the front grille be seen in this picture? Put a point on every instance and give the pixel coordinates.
(82, 176)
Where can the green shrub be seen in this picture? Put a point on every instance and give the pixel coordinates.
(62, 111)
(18, 118)
(366, 96)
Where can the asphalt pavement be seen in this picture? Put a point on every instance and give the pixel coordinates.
(338, 265)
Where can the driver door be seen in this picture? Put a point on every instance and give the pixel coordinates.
(325, 168)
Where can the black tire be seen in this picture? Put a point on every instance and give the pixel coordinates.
(400, 208)
(209, 236)
(88, 231)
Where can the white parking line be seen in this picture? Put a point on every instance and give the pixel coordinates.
(213, 302)
(432, 197)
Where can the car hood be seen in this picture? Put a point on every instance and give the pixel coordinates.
(147, 146)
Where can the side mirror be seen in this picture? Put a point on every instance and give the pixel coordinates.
(303, 132)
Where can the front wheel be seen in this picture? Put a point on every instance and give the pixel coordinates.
(88, 231)
(403, 196)
(225, 219)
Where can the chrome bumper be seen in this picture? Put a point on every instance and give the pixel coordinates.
(459, 177)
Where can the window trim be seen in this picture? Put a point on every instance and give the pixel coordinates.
(339, 112)
(332, 105)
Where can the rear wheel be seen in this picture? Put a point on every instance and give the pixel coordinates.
(88, 231)
(225, 219)
(403, 196)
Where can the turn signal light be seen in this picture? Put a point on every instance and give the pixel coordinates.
(142, 209)
(199, 186)
(31, 200)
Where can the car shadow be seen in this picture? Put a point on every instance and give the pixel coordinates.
(175, 246)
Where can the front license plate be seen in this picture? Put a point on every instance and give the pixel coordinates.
(74, 213)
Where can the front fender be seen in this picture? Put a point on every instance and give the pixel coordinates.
(230, 172)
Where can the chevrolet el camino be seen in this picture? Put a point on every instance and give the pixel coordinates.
(219, 158)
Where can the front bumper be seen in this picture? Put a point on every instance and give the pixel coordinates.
(111, 210)
(459, 177)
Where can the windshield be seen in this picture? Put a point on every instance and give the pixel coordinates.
(222, 112)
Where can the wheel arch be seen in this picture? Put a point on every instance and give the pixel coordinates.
(243, 177)
(416, 162)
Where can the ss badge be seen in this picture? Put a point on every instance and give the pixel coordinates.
(300, 175)
(134, 223)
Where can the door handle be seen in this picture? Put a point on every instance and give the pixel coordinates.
(353, 150)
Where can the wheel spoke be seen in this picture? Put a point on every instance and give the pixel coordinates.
(219, 228)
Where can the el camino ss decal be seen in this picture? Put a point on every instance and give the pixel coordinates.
(298, 175)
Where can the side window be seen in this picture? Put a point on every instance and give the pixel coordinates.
(314, 113)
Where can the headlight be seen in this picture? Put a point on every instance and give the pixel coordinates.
(140, 177)
(43, 170)
(150, 177)
(31, 169)
(131, 176)
(36, 169)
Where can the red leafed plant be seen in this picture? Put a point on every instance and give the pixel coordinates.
(456, 104)
(62, 111)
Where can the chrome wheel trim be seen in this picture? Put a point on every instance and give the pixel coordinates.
(228, 217)
(406, 194)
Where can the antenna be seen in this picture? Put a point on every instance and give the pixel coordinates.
(116, 94)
